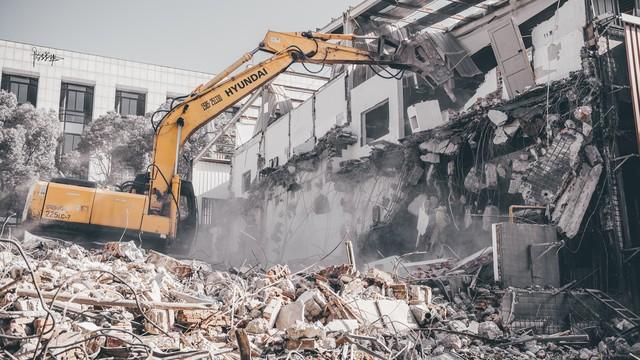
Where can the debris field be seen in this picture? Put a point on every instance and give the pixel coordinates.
(61, 301)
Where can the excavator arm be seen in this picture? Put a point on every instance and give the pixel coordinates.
(211, 99)
(73, 205)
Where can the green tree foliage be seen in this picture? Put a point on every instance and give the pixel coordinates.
(119, 147)
(28, 141)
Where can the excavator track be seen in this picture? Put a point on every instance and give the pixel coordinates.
(92, 238)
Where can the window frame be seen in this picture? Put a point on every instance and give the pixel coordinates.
(139, 97)
(86, 113)
(363, 121)
(75, 141)
(30, 82)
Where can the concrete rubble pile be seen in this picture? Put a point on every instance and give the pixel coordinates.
(66, 302)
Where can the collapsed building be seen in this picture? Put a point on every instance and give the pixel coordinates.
(519, 142)
(487, 209)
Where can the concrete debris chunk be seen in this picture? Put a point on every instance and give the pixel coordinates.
(380, 277)
(497, 117)
(290, 314)
(127, 250)
(314, 303)
(430, 158)
(489, 329)
(257, 326)
(176, 267)
(306, 330)
(271, 311)
(500, 137)
(342, 325)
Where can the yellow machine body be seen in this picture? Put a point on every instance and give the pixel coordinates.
(50, 203)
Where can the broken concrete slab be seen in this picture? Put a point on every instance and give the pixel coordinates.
(314, 303)
(342, 325)
(289, 314)
(306, 330)
(489, 330)
(271, 311)
(497, 117)
(386, 313)
(578, 201)
(550, 174)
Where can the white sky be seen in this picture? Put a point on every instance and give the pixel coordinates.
(204, 35)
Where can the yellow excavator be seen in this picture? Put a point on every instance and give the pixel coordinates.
(159, 204)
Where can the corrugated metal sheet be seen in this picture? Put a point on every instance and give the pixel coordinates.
(209, 175)
(418, 14)
(632, 44)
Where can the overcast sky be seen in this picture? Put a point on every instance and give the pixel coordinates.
(204, 35)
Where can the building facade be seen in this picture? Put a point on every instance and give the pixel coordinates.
(81, 87)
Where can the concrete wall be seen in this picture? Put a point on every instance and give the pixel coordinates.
(330, 106)
(303, 225)
(366, 96)
(301, 124)
(319, 114)
(244, 131)
(276, 141)
(557, 43)
(244, 159)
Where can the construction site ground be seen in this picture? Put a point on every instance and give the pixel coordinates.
(61, 300)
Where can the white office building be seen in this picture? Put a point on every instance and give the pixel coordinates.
(81, 87)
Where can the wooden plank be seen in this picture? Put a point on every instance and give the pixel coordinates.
(126, 303)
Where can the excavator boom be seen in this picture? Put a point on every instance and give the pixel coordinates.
(156, 209)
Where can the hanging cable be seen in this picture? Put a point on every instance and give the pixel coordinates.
(173, 196)
(155, 125)
(396, 76)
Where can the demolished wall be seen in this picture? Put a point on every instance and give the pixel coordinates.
(440, 190)
(318, 199)
(557, 42)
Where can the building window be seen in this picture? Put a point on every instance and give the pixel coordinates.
(375, 122)
(130, 103)
(246, 181)
(76, 103)
(71, 142)
(24, 88)
(213, 212)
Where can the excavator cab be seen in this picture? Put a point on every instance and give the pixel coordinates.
(187, 210)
